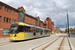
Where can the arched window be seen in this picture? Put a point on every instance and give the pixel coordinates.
(21, 16)
(5, 31)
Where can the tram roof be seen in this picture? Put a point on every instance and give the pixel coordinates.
(25, 24)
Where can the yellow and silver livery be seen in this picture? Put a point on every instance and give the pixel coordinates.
(23, 31)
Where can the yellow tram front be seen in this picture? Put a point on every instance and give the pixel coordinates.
(16, 32)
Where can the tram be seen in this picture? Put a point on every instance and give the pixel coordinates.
(23, 31)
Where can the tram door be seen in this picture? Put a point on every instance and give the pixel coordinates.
(34, 31)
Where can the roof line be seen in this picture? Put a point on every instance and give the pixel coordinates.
(8, 5)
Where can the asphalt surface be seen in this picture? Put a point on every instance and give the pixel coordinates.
(72, 40)
(26, 44)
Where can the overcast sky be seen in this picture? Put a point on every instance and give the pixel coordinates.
(48, 8)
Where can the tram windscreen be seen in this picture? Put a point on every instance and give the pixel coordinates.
(13, 28)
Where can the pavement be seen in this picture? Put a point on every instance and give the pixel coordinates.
(66, 45)
(72, 40)
(26, 44)
(14, 47)
(5, 39)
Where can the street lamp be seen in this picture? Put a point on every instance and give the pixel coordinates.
(68, 23)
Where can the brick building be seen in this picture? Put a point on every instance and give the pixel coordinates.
(49, 24)
(9, 15)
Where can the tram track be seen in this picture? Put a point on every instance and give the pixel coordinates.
(56, 44)
(10, 42)
(60, 43)
(66, 44)
(43, 46)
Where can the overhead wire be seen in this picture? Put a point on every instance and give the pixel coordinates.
(58, 10)
(56, 6)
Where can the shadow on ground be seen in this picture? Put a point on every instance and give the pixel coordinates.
(28, 39)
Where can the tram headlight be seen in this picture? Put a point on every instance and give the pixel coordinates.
(15, 35)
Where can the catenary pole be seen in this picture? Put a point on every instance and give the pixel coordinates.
(68, 23)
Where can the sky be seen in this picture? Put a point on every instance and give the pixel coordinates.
(55, 9)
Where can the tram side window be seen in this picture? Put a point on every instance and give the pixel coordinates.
(33, 30)
(49, 31)
(28, 29)
(37, 30)
(20, 28)
(45, 31)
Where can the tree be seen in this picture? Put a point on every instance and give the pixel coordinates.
(60, 31)
(66, 30)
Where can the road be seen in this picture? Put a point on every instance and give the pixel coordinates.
(27, 44)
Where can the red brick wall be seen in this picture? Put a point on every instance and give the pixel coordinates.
(1, 33)
(46, 24)
(41, 24)
(9, 15)
(50, 24)
(27, 20)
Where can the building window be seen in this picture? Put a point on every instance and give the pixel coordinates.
(13, 20)
(0, 18)
(30, 18)
(5, 8)
(33, 19)
(5, 31)
(15, 13)
(8, 10)
(4, 19)
(26, 16)
(0, 6)
(7, 19)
